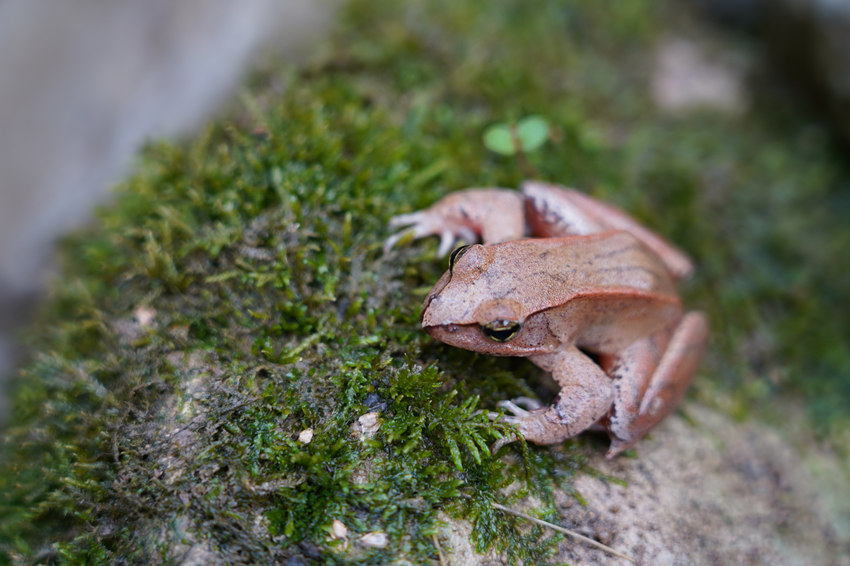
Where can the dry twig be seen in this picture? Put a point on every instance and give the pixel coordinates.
(560, 529)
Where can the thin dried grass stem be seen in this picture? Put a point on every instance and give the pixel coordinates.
(567, 532)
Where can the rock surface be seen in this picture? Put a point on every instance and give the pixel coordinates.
(702, 490)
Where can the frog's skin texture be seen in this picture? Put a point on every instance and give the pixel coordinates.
(589, 297)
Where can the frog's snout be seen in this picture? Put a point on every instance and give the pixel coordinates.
(434, 295)
(438, 331)
(432, 314)
(460, 335)
(428, 300)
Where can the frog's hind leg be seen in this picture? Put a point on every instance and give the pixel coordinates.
(553, 211)
(650, 377)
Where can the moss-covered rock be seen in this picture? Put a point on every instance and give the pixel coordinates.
(236, 296)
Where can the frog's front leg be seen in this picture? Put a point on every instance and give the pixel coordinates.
(586, 395)
(494, 215)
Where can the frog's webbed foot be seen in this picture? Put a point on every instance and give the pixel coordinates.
(428, 223)
(518, 412)
(532, 424)
(519, 407)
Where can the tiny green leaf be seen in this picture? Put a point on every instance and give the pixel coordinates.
(469, 442)
(532, 132)
(454, 451)
(498, 138)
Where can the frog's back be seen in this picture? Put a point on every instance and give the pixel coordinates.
(556, 271)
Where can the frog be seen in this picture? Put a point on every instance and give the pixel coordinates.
(579, 288)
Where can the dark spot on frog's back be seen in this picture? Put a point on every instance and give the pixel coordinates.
(617, 251)
(506, 293)
(553, 277)
(495, 277)
(652, 277)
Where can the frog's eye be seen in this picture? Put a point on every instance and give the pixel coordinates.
(457, 254)
(501, 330)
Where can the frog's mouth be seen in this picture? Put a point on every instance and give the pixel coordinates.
(471, 337)
(466, 336)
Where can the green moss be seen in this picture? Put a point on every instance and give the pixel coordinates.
(256, 249)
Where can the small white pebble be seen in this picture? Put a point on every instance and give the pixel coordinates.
(369, 424)
(144, 315)
(375, 539)
(338, 530)
(305, 436)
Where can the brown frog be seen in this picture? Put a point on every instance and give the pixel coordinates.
(590, 298)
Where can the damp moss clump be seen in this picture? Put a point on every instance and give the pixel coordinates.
(212, 364)
(221, 340)
(235, 297)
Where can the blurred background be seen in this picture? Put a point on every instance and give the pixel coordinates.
(84, 84)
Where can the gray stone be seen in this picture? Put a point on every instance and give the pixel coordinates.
(704, 490)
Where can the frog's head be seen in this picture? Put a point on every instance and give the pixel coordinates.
(470, 309)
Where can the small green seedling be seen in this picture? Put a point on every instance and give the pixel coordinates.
(527, 135)
(518, 139)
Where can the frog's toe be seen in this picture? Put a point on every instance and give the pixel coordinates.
(515, 409)
(516, 418)
(396, 238)
(453, 234)
(618, 446)
(528, 403)
(406, 219)
(447, 240)
(502, 442)
(414, 225)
